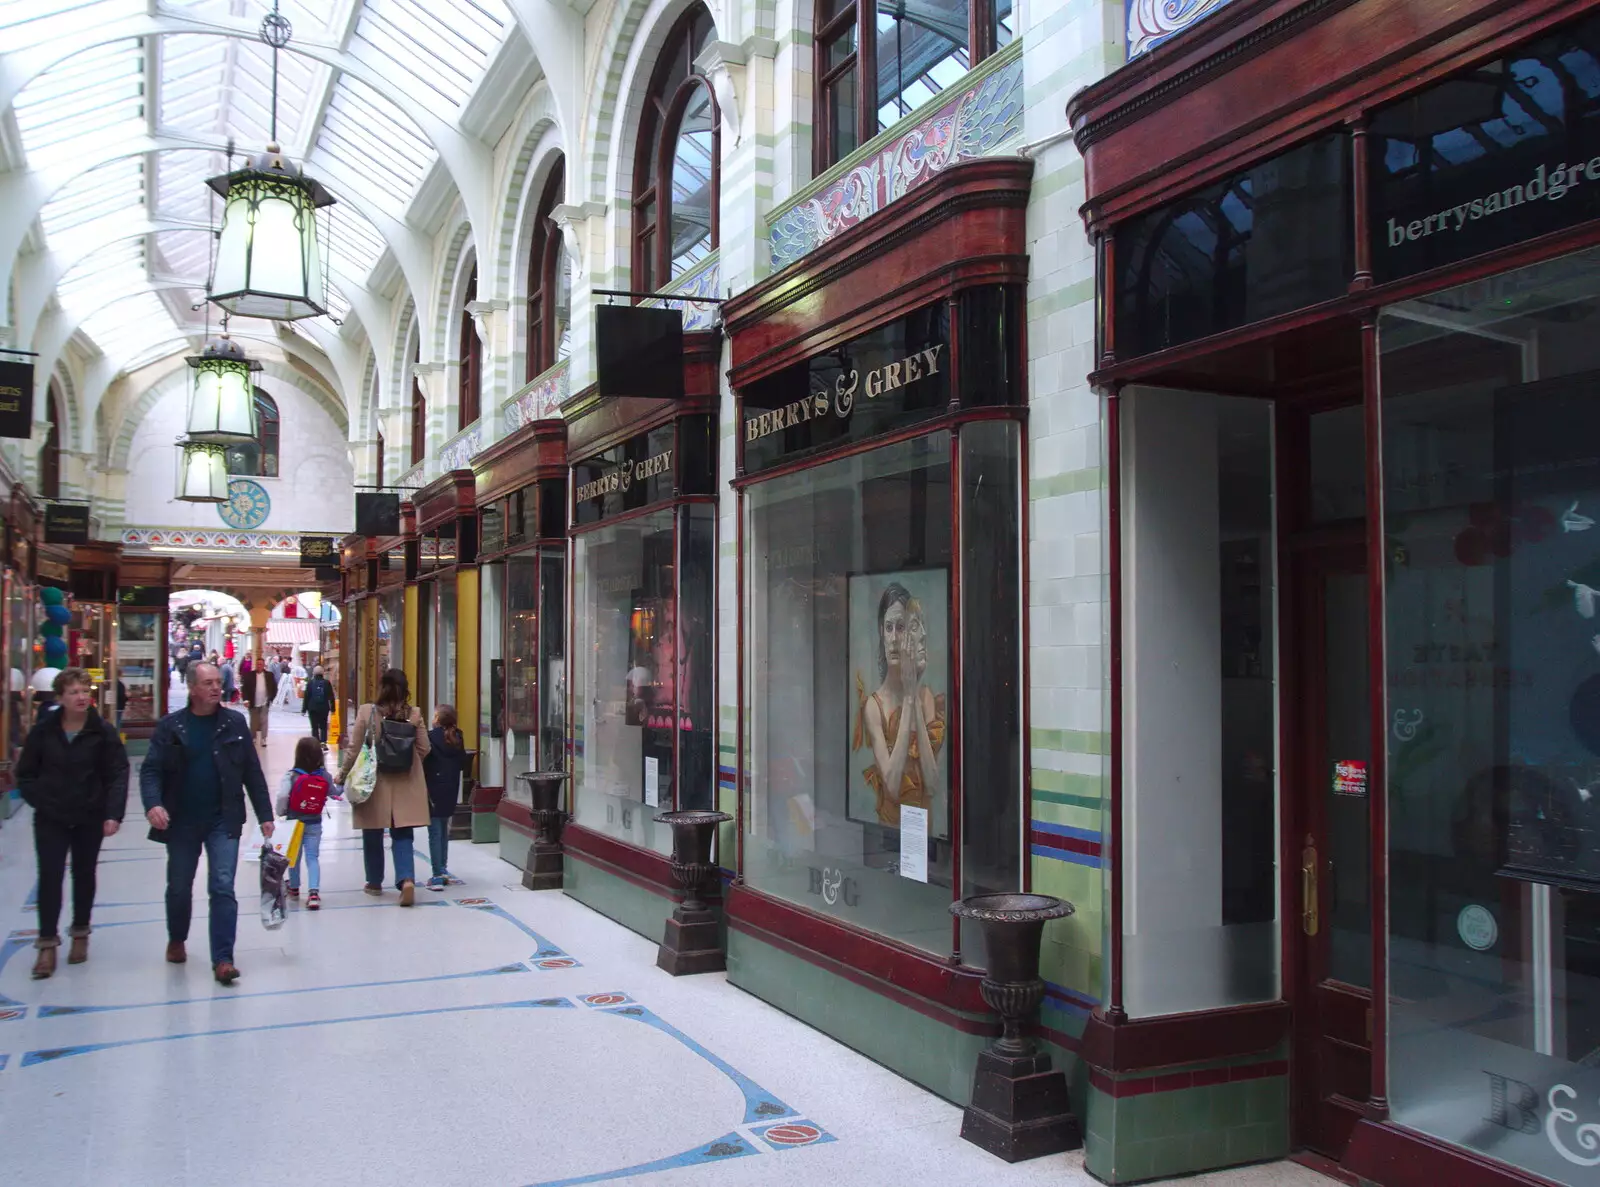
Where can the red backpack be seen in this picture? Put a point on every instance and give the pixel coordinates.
(308, 794)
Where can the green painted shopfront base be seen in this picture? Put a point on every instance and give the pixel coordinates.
(630, 904)
(486, 830)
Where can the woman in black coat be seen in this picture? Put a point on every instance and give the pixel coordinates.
(74, 772)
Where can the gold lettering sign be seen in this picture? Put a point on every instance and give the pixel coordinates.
(624, 476)
(842, 400)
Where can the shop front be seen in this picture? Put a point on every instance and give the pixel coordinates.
(144, 588)
(371, 607)
(522, 573)
(19, 610)
(642, 701)
(1350, 367)
(882, 749)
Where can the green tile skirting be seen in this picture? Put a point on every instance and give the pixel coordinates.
(1158, 1135)
(630, 904)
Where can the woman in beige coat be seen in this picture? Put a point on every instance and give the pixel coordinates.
(399, 801)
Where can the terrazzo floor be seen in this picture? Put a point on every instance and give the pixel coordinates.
(492, 1035)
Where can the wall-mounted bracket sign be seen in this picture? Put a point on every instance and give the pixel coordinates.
(320, 553)
(16, 399)
(884, 380)
(66, 523)
(144, 595)
(377, 514)
(1486, 159)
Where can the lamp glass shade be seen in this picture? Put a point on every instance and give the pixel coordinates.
(269, 263)
(202, 472)
(222, 404)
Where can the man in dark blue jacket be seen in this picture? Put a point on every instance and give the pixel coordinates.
(193, 781)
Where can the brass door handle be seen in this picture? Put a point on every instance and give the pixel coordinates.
(1308, 888)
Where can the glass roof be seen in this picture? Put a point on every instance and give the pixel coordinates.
(132, 231)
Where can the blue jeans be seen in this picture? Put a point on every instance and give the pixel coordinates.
(438, 843)
(405, 861)
(222, 860)
(310, 851)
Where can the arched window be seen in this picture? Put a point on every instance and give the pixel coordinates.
(50, 451)
(258, 458)
(676, 165)
(877, 61)
(471, 357)
(549, 282)
(378, 461)
(419, 413)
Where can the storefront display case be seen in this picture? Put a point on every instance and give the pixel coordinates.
(144, 588)
(881, 746)
(522, 568)
(92, 634)
(641, 670)
(1348, 364)
(19, 600)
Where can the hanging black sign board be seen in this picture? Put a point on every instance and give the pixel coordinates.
(1484, 159)
(377, 515)
(639, 351)
(66, 523)
(144, 595)
(318, 552)
(16, 399)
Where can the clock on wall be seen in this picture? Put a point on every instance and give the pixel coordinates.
(248, 505)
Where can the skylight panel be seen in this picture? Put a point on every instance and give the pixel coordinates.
(118, 266)
(349, 241)
(372, 139)
(443, 45)
(28, 23)
(113, 187)
(88, 99)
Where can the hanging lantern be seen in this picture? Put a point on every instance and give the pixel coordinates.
(222, 402)
(268, 261)
(202, 472)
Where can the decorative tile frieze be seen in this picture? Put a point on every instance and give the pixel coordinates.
(540, 400)
(1150, 22)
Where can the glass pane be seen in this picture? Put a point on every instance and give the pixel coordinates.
(1349, 740)
(1338, 466)
(1491, 484)
(562, 330)
(522, 673)
(1200, 689)
(443, 686)
(1236, 251)
(624, 690)
(840, 48)
(553, 660)
(848, 646)
(1005, 20)
(922, 49)
(843, 127)
(491, 675)
(991, 705)
(691, 184)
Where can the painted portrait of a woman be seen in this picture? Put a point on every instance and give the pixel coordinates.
(901, 723)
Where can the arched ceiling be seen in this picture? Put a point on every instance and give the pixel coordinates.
(116, 111)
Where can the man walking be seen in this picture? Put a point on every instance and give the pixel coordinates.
(260, 689)
(193, 783)
(318, 704)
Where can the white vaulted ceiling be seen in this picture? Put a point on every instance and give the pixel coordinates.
(116, 111)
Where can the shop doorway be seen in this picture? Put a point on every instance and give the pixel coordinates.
(1327, 768)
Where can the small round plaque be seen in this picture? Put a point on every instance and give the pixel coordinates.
(1477, 927)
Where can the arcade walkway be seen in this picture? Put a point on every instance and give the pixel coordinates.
(489, 1036)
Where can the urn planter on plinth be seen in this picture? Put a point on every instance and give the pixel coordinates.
(692, 943)
(1019, 1106)
(544, 869)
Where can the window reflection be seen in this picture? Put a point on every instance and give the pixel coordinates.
(691, 184)
(922, 48)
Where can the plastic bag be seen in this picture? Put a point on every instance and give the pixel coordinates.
(362, 777)
(274, 888)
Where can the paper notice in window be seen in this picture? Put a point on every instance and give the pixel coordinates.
(914, 843)
(652, 782)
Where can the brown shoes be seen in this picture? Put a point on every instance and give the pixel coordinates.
(225, 972)
(79, 951)
(175, 952)
(408, 893)
(45, 965)
(373, 889)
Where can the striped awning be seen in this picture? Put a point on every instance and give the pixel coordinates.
(286, 631)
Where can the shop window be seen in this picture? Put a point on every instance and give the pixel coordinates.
(677, 161)
(878, 62)
(258, 458)
(849, 644)
(1491, 458)
(1237, 251)
(549, 283)
(1199, 880)
(471, 374)
(50, 451)
(643, 673)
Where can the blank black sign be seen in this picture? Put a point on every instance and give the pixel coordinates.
(377, 515)
(639, 351)
(16, 399)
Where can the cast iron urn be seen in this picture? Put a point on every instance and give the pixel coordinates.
(545, 854)
(692, 943)
(1019, 1106)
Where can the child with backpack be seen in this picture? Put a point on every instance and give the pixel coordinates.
(442, 768)
(302, 796)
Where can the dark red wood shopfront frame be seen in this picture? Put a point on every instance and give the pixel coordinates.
(1244, 84)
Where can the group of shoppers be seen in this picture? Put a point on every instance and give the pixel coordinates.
(193, 783)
